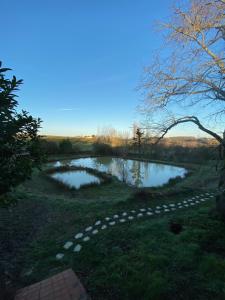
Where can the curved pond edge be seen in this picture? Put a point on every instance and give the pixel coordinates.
(187, 166)
(104, 177)
(190, 168)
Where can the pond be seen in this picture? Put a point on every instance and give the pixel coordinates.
(133, 172)
(75, 179)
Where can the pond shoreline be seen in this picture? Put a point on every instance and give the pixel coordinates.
(139, 173)
(188, 166)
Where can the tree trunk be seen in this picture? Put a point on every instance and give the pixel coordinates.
(220, 198)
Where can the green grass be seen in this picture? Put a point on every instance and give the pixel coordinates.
(141, 259)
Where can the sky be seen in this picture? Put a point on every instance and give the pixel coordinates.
(81, 60)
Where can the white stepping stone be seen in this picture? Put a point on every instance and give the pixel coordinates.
(104, 227)
(58, 164)
(133, 211)
(95, 231)
(149, 213)
(186, 205)
(165, 206)
(149, 208)
(88, 228)
(59, 256)
(122, 220)
(158, 207)
(115, 216)
(107, 218)
(166, 210)
(197, 201)
(142, 209)
(79, 235)
(192, 203)
(157, 211)
(112, 223)
(140, 215)
(67, 245)
(203, 200)
(97, 223)
(172, 205)
(77, 248)
(124, 214)
(180, 206)
(130, 217)
(211, 196)
(86, 238)
(184, 201)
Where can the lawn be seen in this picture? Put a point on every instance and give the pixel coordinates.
(136, 259)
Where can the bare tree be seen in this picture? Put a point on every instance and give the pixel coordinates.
(138, 139)
(194, 71)
(192, 75)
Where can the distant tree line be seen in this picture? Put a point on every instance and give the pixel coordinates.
(160, 152)
(64, 146)
(110, 142)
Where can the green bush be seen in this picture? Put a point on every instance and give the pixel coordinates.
(65, 147)
(20, 149)
(101, 148)
(49, 147)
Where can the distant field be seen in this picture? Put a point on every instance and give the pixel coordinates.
(83, 143)
(184, 141)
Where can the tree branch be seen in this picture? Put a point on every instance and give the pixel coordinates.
(194, 120)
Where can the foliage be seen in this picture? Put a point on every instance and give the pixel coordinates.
(137, 139)
(49, 147)
(20, 148)
(102, 149)
(65, 146)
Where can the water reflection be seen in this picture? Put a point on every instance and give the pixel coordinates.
(75, 178)
(133, 172)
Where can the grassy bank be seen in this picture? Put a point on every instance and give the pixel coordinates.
(142, 259)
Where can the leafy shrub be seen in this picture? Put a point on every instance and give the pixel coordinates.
(175, 227)
(49, 147)
(173, 181)
(76, 148)
(20, 149)
(65, 146)
(143, 195)
(101, 148)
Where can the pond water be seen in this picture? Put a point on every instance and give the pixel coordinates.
(75, 178)
(133, 172)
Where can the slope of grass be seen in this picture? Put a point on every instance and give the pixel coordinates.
(141, 259)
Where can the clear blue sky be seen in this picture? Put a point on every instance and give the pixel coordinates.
(80, 60)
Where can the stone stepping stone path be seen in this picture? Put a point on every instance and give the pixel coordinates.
(128, 216)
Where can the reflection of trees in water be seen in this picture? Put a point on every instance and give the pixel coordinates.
(104, 160)
(102, 163)
(136, 173)
(121, 166)
(146, 170)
